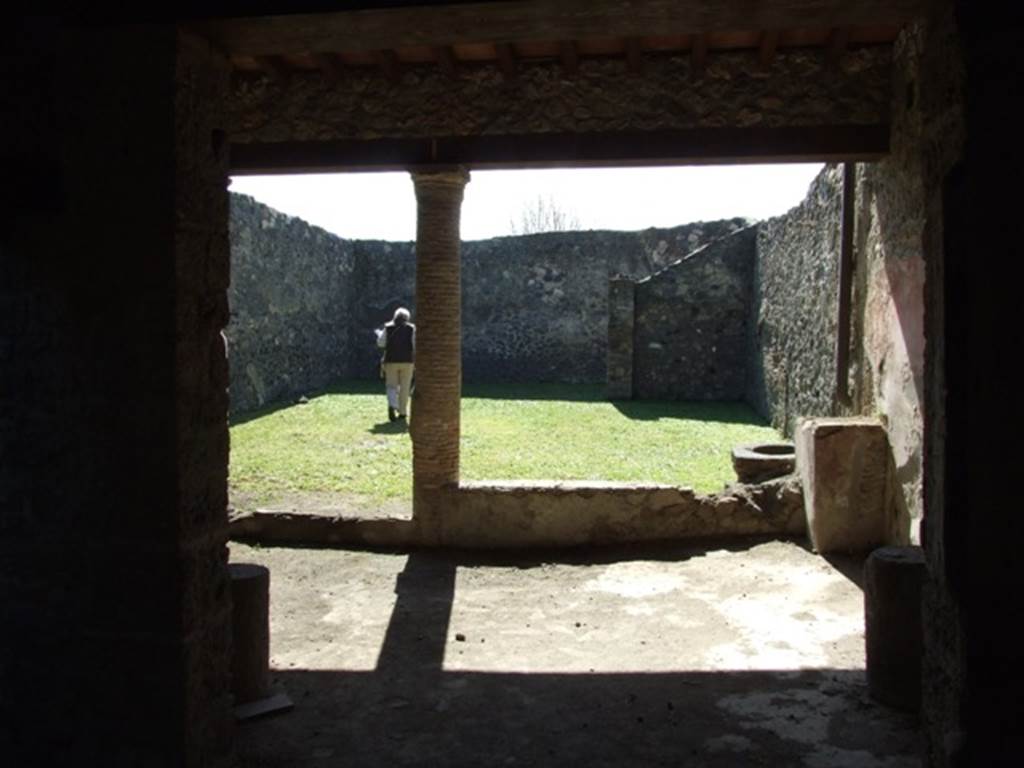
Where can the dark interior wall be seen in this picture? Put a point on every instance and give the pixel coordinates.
(690, 324)
(113, 438)
(964, 79)
(292, 300)
(972, 79)
(909, 209)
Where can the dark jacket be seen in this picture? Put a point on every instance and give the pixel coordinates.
(401, 343)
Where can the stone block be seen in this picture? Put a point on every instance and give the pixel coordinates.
(843, 465)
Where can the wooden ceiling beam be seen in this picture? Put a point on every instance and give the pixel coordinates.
(445, 57)
(329, 65)
(768, 46)
(755, 144)
(273, 66)
(506, 59)
(569, 53)
(524, 20)
(698, 54)
(634, 55)
(838, 39)
(389, 64)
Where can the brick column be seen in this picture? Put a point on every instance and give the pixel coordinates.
(435, 409)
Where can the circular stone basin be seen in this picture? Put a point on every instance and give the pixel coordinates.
(763, 461)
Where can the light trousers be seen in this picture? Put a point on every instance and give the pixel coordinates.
(398, 380)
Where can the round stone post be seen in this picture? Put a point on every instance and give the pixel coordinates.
(434, 421)
(893, 579)
(250, 627)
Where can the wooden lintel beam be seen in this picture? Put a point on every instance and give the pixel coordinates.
(329, 65)
(524, 20)
(273, 66)
(445, 57)
(768, 46)
(838, 39)
(634, 55)
(698, 54)
(506, 59)
(633, 148)
(389, 64)
(569, 53)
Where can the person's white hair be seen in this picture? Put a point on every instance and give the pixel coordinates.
(401, 316)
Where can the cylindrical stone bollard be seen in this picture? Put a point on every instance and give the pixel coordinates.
(893, 577)
(250, 627)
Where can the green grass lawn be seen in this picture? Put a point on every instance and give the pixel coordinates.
(341, 442)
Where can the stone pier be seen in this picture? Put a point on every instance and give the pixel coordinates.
(435, 410)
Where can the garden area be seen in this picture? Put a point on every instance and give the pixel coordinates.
(338, 454)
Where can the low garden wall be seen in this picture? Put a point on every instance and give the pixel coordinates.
(494, 515)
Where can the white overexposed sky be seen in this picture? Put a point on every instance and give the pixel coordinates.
(382, 205)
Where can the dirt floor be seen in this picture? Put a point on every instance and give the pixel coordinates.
(663, 656)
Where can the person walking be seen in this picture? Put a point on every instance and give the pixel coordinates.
(398, 340)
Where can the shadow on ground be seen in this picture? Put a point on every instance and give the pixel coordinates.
(389, 427)
(722, 413)
(410, 711)
(850, 565)
(645, 410)
(580, 393)
(368, 387)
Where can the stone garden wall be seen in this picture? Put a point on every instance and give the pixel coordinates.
(291, 304)
(690, 324)
(304, 303)
(534, 307)
(792, 332)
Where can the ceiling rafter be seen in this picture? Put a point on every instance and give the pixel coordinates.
(389, 64)
(838, 40)
(698, 54)
(444, 55)
(768, 47)
(634, 55)
(329, 64)
(273, 66)
(506, 59)
(569, 53)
